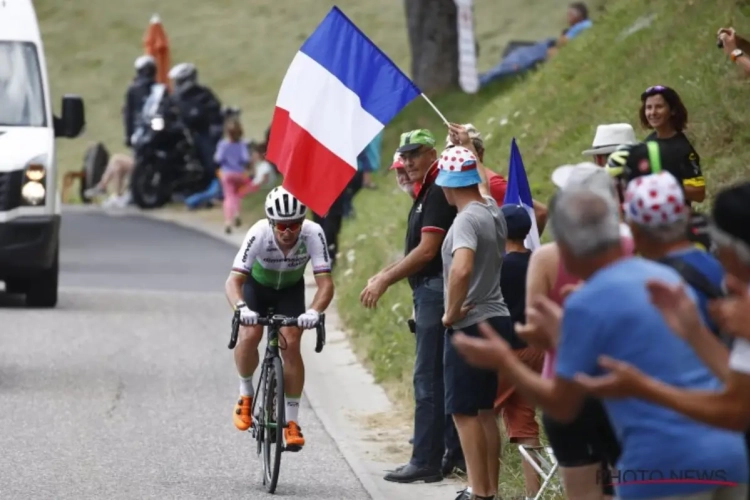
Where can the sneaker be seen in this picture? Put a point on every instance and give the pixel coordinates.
(237, 222)
(228, 229)
(242, 418)
(293, 438)
(94, 192)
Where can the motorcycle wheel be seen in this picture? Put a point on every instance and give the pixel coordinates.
(148, 187)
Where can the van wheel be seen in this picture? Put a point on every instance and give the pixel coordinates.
(42, 292)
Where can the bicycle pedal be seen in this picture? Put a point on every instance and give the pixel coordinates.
(293, 449)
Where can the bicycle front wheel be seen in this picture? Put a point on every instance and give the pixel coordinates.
(275, 420)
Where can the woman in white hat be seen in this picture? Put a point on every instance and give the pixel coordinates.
(608, 138)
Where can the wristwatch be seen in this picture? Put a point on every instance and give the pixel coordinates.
(239, 304)
(735, 54)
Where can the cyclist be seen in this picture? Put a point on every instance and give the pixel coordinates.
(268, 272)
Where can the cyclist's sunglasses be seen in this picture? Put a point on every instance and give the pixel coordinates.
(286, 226)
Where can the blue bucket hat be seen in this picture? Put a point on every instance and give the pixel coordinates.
(457, 168)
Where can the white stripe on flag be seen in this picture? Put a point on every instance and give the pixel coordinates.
(532, 240)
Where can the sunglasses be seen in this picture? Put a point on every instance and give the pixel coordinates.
(286, 226)
(656, 89)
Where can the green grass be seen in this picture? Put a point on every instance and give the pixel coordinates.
(553, 114)
(242, 49)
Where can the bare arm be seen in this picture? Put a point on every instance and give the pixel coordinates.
(324, 294)
(458, 281)
(729, 409)
(541, 264)
(414, 261)
(712, 352)
(233, 288)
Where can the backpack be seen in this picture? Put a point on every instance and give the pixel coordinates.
(94, 164)
(698, 281)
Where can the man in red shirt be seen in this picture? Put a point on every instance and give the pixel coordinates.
(497, 183)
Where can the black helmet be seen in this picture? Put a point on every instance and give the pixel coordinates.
(634, 160)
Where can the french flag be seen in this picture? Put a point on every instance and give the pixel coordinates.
(518, 192)
(338, 94)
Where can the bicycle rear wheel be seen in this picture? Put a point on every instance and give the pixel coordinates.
(274, 414)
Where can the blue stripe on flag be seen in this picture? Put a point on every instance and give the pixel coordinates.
(518, 191)
(342, 49)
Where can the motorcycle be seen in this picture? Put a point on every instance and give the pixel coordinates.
(166, 160)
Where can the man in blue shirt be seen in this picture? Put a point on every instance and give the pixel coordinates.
(611, 315)
(655, 210)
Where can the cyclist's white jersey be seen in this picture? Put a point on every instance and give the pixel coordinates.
(260, 256)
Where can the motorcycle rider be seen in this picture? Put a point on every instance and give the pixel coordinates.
(137, 93)
(200, 110)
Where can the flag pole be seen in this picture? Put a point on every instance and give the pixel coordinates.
(447, 124)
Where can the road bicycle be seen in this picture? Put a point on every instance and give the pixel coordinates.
(268, 418)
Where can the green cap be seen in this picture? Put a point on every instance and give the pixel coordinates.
(415, 139)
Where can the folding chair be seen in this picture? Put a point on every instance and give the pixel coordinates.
(544, 463)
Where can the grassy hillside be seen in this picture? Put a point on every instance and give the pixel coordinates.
(553, 113)
(242, 49)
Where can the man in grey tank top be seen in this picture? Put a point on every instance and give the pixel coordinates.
(472, 255)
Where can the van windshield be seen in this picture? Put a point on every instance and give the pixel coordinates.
(21, 91)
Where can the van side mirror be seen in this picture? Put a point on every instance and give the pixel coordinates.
(72, 120)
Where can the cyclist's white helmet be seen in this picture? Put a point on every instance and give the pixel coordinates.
(282, 206)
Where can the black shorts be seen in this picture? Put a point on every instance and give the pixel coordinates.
(587, 440)
(467, 389)
(288, 301)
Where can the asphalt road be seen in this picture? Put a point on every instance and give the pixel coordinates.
(125, 390)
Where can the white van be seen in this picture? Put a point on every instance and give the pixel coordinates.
(29, 195)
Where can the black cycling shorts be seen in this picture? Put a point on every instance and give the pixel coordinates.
(587, 440)
(288, 301)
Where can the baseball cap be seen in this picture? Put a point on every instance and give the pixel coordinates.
(457, 167)
(655, 200)
(518, 220)
(415, 139)
(397, 162)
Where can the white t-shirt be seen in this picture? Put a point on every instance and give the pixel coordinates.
(264, 174)
(739, 359)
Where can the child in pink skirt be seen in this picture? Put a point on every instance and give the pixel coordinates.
(233, 158)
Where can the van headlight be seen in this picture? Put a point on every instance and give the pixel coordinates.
(33, 193)
(34, 185)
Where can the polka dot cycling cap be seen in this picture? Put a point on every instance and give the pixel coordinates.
(655, 200)
(457, 167)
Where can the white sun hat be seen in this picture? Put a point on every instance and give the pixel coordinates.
(609, 137)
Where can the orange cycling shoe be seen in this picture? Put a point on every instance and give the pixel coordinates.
(242, 417)
(293, 438)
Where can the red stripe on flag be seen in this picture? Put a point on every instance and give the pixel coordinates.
(311, 171)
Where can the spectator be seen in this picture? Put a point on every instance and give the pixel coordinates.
(586, 447)
(663, 112)
(736, 47)
(205, 199)
(519, 415)
(118, 170)
(264, 174)
(607, 139)
(730, 407)
(528, 55)
(612, 300)
(233, 159)
(472, 258)
(659, 220)
(137, 93)
(496, 183)
(453, 458)
(369, 161)
(429, 220)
